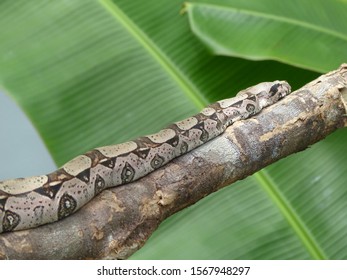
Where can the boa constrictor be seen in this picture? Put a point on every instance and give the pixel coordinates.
(33, 201)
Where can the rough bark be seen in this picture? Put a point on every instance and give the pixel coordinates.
(120, 220)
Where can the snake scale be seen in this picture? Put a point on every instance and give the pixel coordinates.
(33, 201)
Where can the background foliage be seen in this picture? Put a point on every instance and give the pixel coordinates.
(91, 73)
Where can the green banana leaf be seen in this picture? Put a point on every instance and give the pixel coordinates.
(92, 73)
(311, 34)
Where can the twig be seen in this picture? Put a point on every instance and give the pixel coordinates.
(119, 221)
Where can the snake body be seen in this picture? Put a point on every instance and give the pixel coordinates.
(33, 201)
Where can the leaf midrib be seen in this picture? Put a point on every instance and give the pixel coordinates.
(291, 216)
(188, 88)
(276, 18)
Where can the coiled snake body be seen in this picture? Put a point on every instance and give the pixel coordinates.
(33, 201)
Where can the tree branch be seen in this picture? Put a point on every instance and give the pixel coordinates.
(120, 220)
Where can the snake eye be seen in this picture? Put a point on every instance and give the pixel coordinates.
(274, 89)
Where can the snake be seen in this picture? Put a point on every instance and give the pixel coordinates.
(33, 201)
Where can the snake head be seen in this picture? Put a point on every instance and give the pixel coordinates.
(270, 92)
(280, 89)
